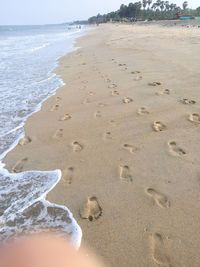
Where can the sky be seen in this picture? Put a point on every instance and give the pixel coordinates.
(29, 12)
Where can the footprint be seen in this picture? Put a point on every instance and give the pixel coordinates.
(175, 149)
(160, 199)
(159, 253)
(120, 65)
(91, 93)
(18, 167)
(25, 140)
(114, 93)
(67, 175)
(142, 111)
(125, 174)
(195, 117)
(113, 85)
(97, 114)
(127, 100)
(187, 101)
(165, 92)
(101, 105)
(154, 84)
(58, 134)
(86, 101)
(91, 209)
(159, 126)
(138, 78)
(55, 107)
(130, 148)
(77, 147)
(107, 135)
(58, 99)
(66, 117)
(135, 72)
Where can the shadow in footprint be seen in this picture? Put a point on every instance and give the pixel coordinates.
(130, 148)
(154, 84)
(18, 167)
(187, 101)
(142, 111)
(77, 147)
(65, 117)
(58, 134)
(127, 100)
(25, 140)
(175, 150)
(159, 253)
(67, 175)
(125, 174)
(160, 199)
(91, 209)
(195, 117)
(159, 126)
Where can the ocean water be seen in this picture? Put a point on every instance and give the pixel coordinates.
(28, 56)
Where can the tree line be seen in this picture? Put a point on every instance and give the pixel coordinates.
(146, 10)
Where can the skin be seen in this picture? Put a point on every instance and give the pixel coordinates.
(44, 251)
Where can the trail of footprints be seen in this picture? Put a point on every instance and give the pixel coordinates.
(91, 209)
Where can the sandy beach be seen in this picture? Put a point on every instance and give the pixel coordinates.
(124, 130)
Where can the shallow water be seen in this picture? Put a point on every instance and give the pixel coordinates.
(28, 56)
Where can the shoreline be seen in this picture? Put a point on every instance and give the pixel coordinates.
(98, 130)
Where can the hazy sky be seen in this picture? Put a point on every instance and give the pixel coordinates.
(58, 11)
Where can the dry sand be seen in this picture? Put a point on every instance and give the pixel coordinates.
(125, 131)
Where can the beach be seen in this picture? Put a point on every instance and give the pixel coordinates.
(124, 131)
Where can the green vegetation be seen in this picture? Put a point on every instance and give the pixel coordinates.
(146, 10)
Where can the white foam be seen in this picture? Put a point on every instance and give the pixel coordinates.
(20, 192)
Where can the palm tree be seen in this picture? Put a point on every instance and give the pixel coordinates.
(162, 5)
(149, 2)
(185, 5)
(144, 3)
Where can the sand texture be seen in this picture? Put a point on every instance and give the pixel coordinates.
(125, 131)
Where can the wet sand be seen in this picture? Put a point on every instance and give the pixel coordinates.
(124, 130)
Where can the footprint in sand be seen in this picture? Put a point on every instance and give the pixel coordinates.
(130, 148)
(121, 65)
(154, 84)
(66, 117)
(175, 149)
(55, 107)
(77, 147)
(135, 72)
(159, 126)
(114, 93)
(67, 175)
(58, 134)
(101, 105)
(160, 199)
(125, 174)
(142, 111)
(18, 167)
(25, 140)
(107, 135)
(91, 93)
(113, 85)
(159, 253)
(91, 209)
(86, 101)
(165, 92)
(195, 117)
(97, 114)
(127, 100)
(58, 99)
(187, 101)
(138, 78)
